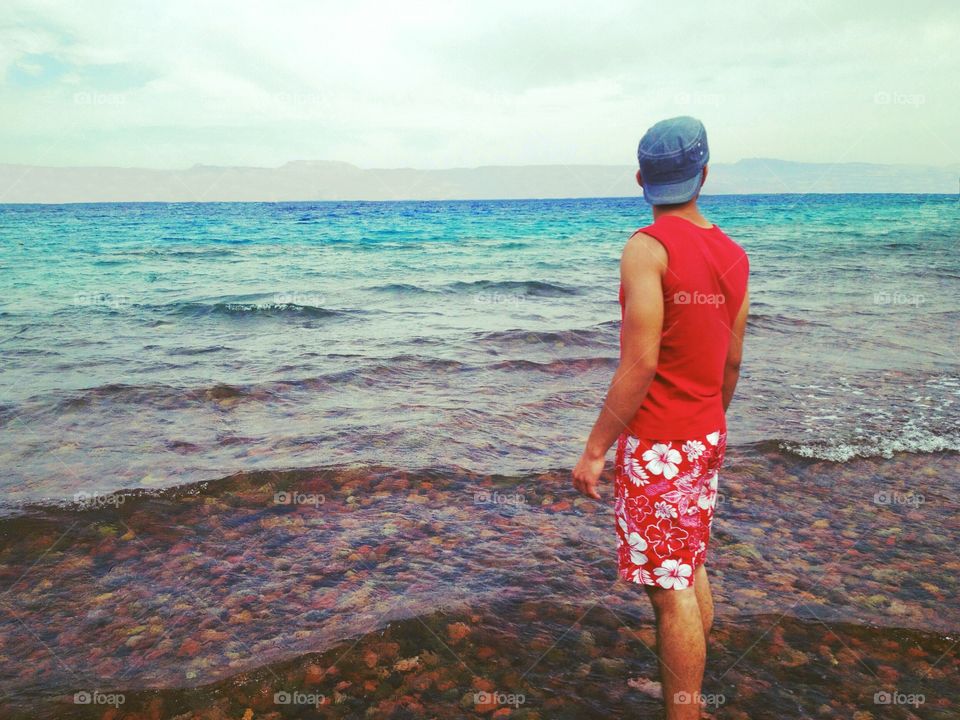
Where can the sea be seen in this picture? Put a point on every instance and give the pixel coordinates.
(250, 449)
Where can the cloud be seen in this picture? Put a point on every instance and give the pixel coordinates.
(434, 84)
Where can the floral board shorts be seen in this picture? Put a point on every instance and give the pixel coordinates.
(666, 492)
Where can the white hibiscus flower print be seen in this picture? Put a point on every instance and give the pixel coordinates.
(708, 496)
(673, 575)
(713, 438)
(664, 510)
(693, 449)
(662, 459)
(637, 547)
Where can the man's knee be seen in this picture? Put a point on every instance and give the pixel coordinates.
(670, 601)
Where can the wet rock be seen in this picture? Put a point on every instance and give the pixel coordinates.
(457, 631)
(189, 648)
(407, 664)
(610, 666)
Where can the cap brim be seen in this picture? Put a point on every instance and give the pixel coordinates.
(673, 193)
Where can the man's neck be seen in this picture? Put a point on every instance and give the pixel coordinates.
(688, 211)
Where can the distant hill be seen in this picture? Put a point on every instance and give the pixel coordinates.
(323, 180)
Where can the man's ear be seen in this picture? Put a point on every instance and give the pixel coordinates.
(639, 179)
(704, 178)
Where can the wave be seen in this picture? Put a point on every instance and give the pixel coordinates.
(532, 288)
(588, 337)
(403, 289)
(31, 352)
(173, 251)
(527, 288)
(880, 447)
(254, 307)
(173, 396)
(251, 309)
(778, 321)
(405, 366)
(167, 397)
(198, 350)
(558, 366)
(840, 451)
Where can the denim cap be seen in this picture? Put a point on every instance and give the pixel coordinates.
(672, 155)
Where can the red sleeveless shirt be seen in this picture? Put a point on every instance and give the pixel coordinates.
(703, 288)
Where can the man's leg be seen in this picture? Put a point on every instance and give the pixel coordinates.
(704, 599)
(681, 649)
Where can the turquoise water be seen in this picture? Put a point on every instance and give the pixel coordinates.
(151, 345)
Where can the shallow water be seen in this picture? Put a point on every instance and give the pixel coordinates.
(191, 587)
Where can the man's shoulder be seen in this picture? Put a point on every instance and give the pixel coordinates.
(644, 250)
(642, 240)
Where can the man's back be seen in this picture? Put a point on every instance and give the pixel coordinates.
(704, 285)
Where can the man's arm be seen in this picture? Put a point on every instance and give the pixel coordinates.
(731, 371)
(641, 268)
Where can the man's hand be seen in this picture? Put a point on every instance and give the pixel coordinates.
(587, 473)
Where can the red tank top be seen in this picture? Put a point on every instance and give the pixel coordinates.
(703, 289)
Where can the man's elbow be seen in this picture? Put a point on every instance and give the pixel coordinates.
(638, 371)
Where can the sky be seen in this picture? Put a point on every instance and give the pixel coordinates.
(462, 84)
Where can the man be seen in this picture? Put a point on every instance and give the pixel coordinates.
(684, 303)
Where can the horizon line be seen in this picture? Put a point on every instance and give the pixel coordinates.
(199, 165)
(638, 197)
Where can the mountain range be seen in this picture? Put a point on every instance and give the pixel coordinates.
(332, 180)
